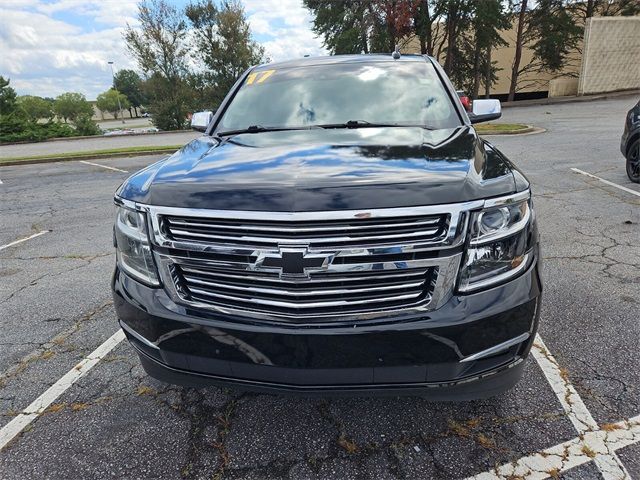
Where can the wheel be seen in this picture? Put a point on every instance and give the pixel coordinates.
(633, 162)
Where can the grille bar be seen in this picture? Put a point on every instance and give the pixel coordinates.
(365, 231)
(298, 293)
(305, 305)
(179, 234)
(400, 277)
(198, 223)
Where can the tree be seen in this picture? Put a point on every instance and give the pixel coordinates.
(160, 48)
(129, 84)
(556, 35)
(457, 23)
(394, 23)
(168, 103)
(363, 26)
(36, 108)
(343, 25)
(7, 97)
(488, 18)
(427, 19)
(111, 101)
(552, 32)
(72, 105)
(222, 43)
(605, 8)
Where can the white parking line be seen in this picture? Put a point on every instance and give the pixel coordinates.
(40, 404)
(103, 166)
(607, 461)
(593, 443)
(580, 450)
(624, 189)
(24, 239)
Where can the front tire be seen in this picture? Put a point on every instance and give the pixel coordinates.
(633, 162)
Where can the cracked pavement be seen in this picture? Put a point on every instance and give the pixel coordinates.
(115, 422)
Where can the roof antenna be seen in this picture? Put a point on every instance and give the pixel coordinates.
(396, 53)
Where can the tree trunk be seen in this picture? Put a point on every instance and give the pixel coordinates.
(487, 77)
(451, 37)
(515, 68)
(590, 8)
(476, 72)
(426, 40)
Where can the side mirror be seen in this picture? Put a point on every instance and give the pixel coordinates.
(201, 120)
(485, 110)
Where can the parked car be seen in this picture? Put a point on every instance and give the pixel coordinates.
(340, 227)
(465, 100)
(630, 143)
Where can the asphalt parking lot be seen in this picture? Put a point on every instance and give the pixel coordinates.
(575, 414)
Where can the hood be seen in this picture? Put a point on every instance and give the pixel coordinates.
(325, 169)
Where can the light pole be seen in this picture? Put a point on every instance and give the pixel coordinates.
(113, 82)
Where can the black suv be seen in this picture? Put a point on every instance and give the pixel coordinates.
(630, 143)
(340, 227)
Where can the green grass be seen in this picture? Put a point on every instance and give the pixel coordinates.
(97, 153)
(488, 128)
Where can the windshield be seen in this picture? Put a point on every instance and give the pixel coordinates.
(396, 93)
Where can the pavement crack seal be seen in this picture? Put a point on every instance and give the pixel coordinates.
(593, 443)
(44, 351)
(12, 429)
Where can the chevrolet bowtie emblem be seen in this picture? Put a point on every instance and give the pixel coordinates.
(292, 262)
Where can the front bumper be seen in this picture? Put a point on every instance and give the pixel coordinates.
(471, 347)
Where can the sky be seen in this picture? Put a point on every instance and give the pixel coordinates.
(48, 47)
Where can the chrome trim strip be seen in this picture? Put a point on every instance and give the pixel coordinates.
(497, 348)
(138, 336)
(297, 241)
(317, 304)
(315, 215)
(303, 293)
(516, 197)
(325, 278)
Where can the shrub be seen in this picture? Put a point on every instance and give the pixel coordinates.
(86, 126)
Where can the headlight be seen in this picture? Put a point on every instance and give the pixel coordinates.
(498, 245)
(132, 246)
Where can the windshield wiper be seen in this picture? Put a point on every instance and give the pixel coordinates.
(366, 124)
(260, 129)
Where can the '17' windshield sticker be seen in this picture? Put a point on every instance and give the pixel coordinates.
(261, 76)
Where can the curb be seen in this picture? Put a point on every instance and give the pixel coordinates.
(570, 99)
(85, 157)
(84, 137)
(529, 129)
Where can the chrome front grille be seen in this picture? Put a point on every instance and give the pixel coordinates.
(320, 294)
(311, 266)
(353, 232)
